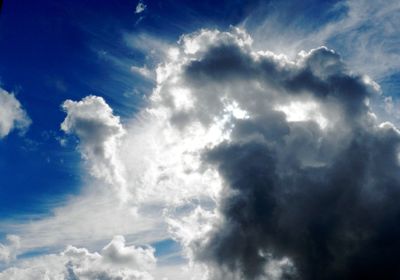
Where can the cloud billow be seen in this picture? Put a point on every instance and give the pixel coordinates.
(311, 178)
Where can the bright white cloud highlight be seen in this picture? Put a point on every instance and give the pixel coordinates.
(12, 115)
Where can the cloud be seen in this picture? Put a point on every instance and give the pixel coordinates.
(116, 252)
(107, 199)
(87, 220)
(301, 198)
(140, 159)
(261, 166)
(8, 251)
(12, 115)
(143, 71)
(140, 7)
(99, 132)
(365, 32)
(116, 261)
(369, 43)
(154, 49)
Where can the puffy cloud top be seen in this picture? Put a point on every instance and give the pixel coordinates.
(92, 120)
(116, 252)
(99, 132)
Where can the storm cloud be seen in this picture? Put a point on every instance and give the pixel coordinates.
(311, 179)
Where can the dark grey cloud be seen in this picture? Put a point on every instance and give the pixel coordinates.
(325, 198)
(338, 221)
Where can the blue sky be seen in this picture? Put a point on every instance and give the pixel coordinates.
(53, 51)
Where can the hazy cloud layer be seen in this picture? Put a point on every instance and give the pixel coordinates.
(12, 115)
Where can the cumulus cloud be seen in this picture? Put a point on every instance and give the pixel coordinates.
(12, 115)
(9, 251)
(86, 220)
(99, 133)
(307, 193)
(116, 261)
(118, 253)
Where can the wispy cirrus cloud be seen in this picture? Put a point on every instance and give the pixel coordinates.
(364, 32)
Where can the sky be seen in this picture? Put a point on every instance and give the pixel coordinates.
(204, 140)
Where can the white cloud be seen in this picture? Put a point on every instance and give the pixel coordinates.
(143, 71)
(140, 7)
(87, 220)
(9, 251)
(365, 33)
(116, 252)
(12, 115)
(99, 132)
(116, 261)
(368, 42)
(155, 49)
